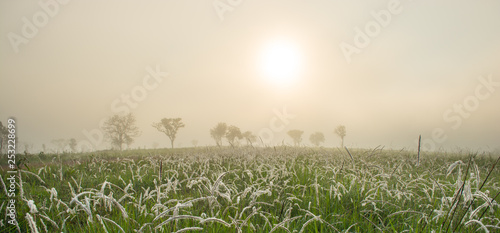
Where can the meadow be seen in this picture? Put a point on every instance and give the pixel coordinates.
(272, 189)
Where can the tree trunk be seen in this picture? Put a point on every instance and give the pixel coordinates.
(121, 142)
(172, 143)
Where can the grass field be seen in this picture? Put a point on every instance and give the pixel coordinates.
(281, 189)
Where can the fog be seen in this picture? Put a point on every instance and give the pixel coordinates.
(387, 70)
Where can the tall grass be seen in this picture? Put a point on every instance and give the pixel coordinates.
(281, 189)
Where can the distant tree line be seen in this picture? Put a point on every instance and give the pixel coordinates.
(232, 134)
(122, 130)
(318, 137)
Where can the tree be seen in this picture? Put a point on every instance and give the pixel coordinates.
(72, 144)
(194, 142)
(218, 132)
(296, 135)
(317, 138)
(169, 126)
(250, 137)
(232, 134)
(341, 132)
(4, 133)
(121, 130)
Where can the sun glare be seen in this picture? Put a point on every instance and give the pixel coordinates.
(280, 62)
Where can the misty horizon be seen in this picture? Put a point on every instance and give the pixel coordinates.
(387, 70)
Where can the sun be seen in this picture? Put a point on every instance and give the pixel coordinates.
(280, 62)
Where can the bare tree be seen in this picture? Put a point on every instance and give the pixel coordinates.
(250, 137)
(317, 138)
(232, 134)
(296, 135)
(218, 132)
(169, 126)
(341, 132)
(194, 142)
(121, 130)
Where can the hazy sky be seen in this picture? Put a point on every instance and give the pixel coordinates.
(387, 70)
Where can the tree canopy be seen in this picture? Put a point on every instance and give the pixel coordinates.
(169, 126)
(296, 135)
(341, 132)
(249, 137)
(218, 132)
(317, 138)
(232, 134)
(121, 130)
